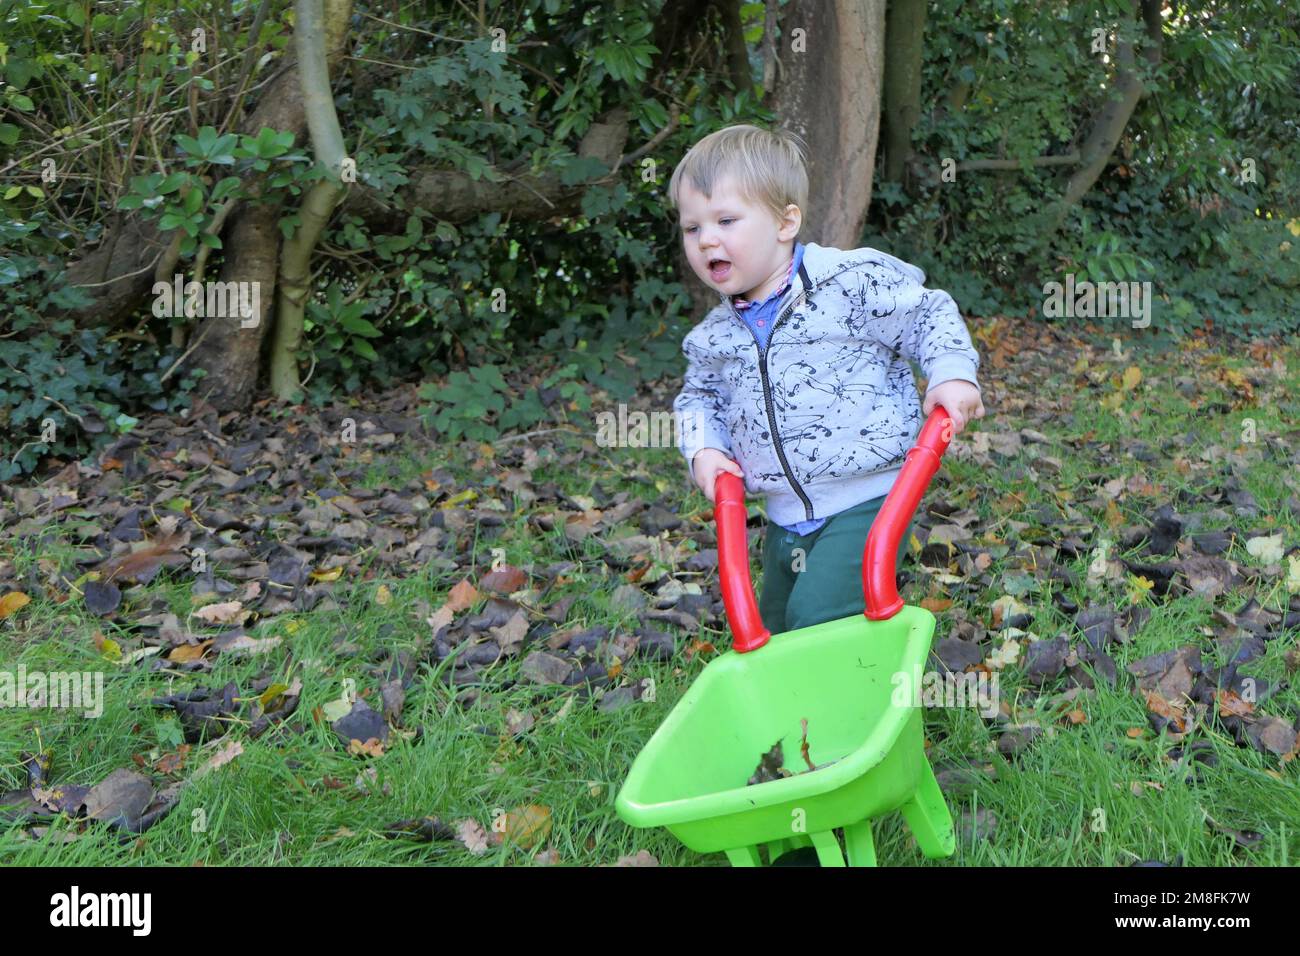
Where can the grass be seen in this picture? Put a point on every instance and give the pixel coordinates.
(1085, 795)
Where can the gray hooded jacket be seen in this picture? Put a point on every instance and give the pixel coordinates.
(821, 419)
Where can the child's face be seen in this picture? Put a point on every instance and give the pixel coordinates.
(735, 247)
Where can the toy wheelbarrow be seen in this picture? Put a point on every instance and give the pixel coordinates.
(840, 676)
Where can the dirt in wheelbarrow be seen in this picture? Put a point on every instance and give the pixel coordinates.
(771, 765)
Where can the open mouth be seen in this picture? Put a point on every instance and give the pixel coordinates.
(719, 269)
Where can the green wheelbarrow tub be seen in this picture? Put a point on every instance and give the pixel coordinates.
(842, 676)
(855, 680)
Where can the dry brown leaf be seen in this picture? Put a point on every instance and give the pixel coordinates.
(12, 602)
(1230, 703)
(1163, 708)
(504, 580)
(528, 825)
(229, 612)
(462, 596)
(373, 747)
(189, 652)
(642, 858)
(473, 836)
(143, 564)
(510, 635)
(223, 756)
(173, 762)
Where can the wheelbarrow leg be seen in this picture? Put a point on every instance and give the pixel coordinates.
(744, 856)
(928, 817)
(857, 840)
(828, 848)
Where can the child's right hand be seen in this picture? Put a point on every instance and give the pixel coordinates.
(707, 464)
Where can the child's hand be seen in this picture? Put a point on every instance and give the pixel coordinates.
(704, 469)
(960, 398)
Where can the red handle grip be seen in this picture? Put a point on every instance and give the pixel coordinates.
(879, 587)
(733, 564)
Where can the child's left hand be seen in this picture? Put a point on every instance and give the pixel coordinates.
(959, 398)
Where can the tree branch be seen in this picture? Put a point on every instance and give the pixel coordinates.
(974, 165)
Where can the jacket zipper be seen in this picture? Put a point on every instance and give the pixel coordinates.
(767, 401)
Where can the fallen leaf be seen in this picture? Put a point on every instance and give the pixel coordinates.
(244, 644)
(107, 647)
(769, 765)
(102, 598)
(230, 612)
(504, 580)
(1267, 548)
(189, 652)
(374, 747)
(510, 635)
(1231, 704)
(142, 565)
(462, 596)
(1006, 655)
(1293, 573)
(173, 762)
(528, 825)
(641, 858)
(140, 654)
(360, 726)
(472, 836)
(120, 798)
(12, 602)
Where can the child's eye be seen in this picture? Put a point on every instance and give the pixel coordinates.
(728, 219)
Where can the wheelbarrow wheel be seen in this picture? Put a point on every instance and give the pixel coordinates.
(802, 856)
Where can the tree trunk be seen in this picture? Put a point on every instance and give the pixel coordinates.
(733, 35)
(319, 203)
(455, 197)
(229, 353)
(831, 97)
(118, 273)
(905, 33)
(1110, 121)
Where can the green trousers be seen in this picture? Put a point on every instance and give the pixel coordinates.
(812, 578)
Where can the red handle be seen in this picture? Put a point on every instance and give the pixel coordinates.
(879, 587)
(733, 564)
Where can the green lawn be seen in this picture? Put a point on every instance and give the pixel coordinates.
(1095, 793)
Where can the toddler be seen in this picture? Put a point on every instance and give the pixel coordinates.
(798, 381)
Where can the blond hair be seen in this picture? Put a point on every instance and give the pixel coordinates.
(770, 168)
